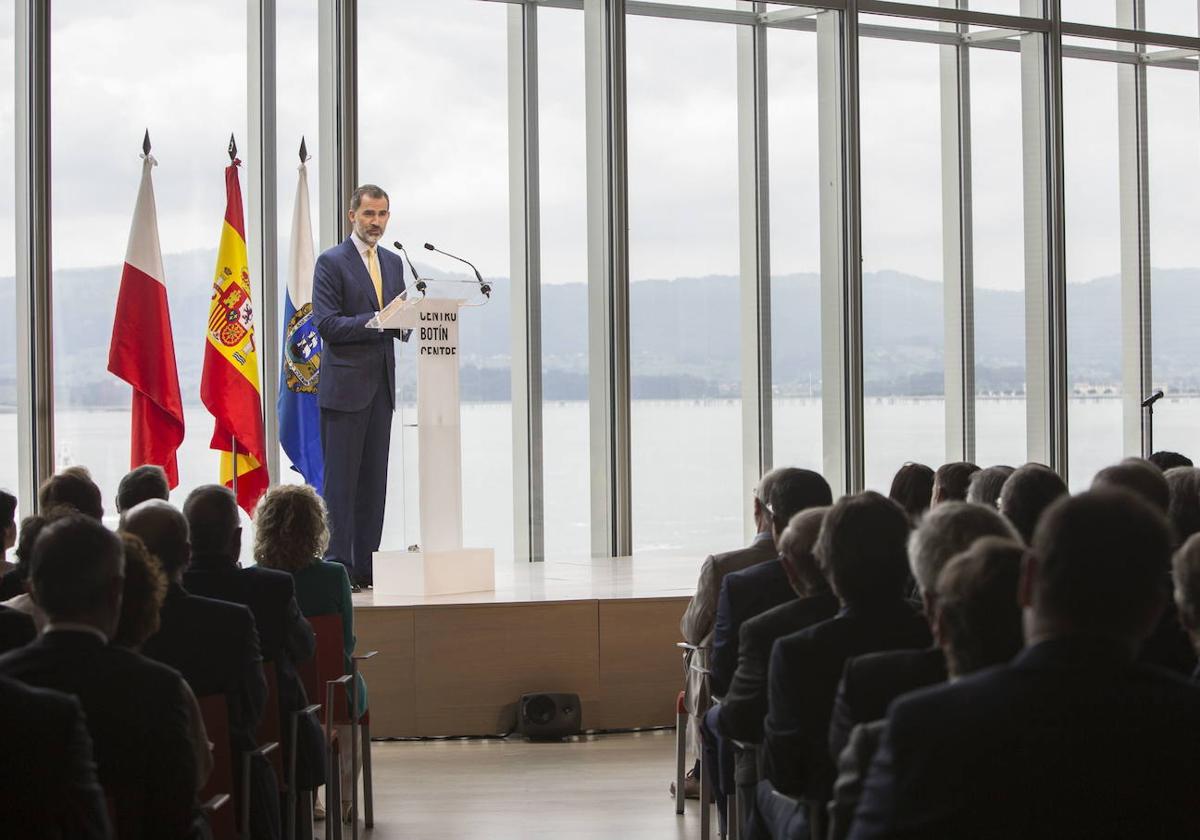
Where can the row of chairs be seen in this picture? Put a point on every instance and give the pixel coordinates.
(327, 669)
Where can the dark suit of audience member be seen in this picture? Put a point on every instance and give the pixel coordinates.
(48, 785)
(862, 550)
(1074, 739)
(871, 682)
(136, 711)
(285, 636)
(16, 629)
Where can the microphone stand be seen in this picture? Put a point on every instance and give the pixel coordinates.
(1148, 423)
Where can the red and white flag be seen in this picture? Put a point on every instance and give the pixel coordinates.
(142, 351)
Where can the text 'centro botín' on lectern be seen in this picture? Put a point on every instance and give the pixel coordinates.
(442, 566)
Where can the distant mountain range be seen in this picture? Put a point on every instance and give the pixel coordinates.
(685, 340)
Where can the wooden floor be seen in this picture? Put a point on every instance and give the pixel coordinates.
(608, 786)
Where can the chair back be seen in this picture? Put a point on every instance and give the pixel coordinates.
(214, 709)
(269, 728)
(330, 659)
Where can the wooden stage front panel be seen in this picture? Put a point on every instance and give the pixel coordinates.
(459, 669)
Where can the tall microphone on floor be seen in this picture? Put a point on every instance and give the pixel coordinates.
(1148, 423)
(420, 282)
(483, 287)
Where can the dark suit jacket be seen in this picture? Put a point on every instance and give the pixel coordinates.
(137, 717)
(871, 682)
(214, 644)
(803, 678)
(744, 594)
(48, 785)
(1072, 740)
(745, 703)
(1169, 646)
(355, 360)
(16, 629)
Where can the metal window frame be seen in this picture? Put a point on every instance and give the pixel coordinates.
(262, 170)
(34, 275)
(754, 227)
(608, 278)
(337, 58)
(525, 281)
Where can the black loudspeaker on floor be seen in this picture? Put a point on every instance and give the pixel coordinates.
(549, 716)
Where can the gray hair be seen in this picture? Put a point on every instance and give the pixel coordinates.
(949, 529)
(1185, 571)
(369, 191)
(984, 486)
(1184, 507)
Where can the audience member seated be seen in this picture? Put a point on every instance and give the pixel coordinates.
(8, 530)
(1186, 573)
(142, 484)
(978, 625)
(862, 552)
(757, 588)
(740, 714)
(285, 638)
(1026, 495)
(1184, 507)
(74, 488)
(31, 526)
(136, 713)
(912, 489)
(951, 481)
(48, 786)
(984, 486)
(141, 602)
(1169, 460)
(16, 629)
(697, 622)
(1074, 739)
(291, 534)
(213, 644)
(871, 682)
(1168, 646)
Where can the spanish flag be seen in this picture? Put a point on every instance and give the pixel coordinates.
(229, 384)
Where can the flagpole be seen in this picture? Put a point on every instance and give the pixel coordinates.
(233, 449)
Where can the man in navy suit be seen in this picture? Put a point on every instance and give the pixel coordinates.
(357, 390)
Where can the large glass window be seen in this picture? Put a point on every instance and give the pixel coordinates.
(8, 299)
(902, 257)
(795, 248)
(118, 71)
(565, 458)
(433, 131)
(1093, 254)
(684, 297)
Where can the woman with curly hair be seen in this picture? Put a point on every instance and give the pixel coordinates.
(290, 534)
(141, 600)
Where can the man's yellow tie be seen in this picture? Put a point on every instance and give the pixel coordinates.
(376, 277)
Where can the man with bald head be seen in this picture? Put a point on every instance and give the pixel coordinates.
(284, 635)
(213, 644)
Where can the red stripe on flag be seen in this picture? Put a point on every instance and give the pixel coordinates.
(142, 352)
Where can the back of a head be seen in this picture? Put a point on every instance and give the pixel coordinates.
(979, 617)
(796, 546)
(1139, 477)
(8, 511)
(1102, 564)
(140, 484)
(290, 532)
(795, 490)
(1165, 460)
(951, 480)
(75, 563)
(31, 527)
(947, 530)
(73, 487)
(1026, 495)
(1185, 569)
(212, 516)
(912, 489)
(163, 529)
(861, 548)
(984, 486)
(1184, 508)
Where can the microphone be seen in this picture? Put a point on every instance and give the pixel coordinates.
(1152, 399)
(420, 285)
(483, 287)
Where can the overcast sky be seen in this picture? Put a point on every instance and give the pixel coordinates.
(433, 120)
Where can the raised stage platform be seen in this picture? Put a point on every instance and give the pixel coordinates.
(604, 629)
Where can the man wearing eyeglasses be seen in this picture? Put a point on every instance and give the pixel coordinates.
(697, 622)
(356, 391)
